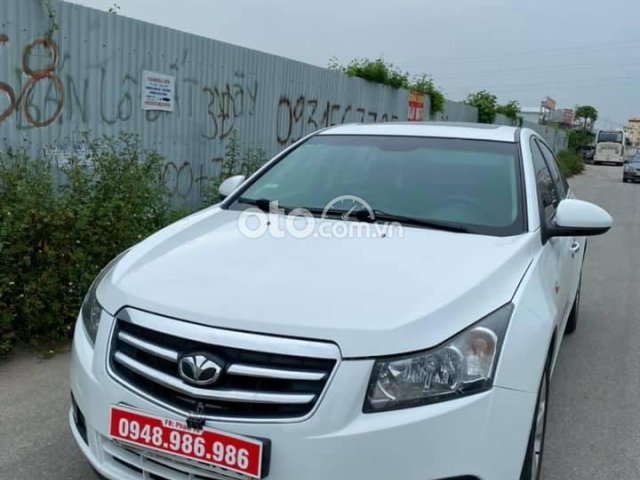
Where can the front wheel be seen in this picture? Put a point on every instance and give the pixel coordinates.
(532, 468)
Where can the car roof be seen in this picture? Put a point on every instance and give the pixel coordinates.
(470, 131)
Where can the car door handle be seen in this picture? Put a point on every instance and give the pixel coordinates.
(575, 248)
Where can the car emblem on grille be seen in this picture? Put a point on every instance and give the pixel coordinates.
(199, 368)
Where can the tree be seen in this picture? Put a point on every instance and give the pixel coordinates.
(486, 103)
(588, 114)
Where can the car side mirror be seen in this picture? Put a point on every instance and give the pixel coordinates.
(576, 218)
(229, 185)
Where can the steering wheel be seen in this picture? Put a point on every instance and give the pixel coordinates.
(463, 209)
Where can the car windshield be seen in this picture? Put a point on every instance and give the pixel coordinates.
(610, 137)
(466, 182)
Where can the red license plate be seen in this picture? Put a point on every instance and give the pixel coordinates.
(239, 454)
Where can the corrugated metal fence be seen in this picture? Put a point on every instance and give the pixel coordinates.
(556, 139)
(89, 79)
(95, 80)
(457, 112)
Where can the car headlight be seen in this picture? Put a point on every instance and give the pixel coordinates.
(91, 309)
(629, 168)
(463, 365)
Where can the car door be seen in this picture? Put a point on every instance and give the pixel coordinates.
(556, 256)
(577, 244)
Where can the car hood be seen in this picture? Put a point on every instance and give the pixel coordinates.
(369, 296)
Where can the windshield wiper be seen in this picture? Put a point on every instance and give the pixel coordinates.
(380, 216)
(372, 216)
(332, 212)
(262, 203)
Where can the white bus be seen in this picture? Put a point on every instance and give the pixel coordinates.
(611, 147)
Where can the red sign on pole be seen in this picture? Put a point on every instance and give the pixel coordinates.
(416, 107)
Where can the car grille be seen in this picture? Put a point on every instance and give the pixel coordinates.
(264, 378)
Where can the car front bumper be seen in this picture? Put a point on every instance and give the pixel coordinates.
(614, 160)
(478, 437)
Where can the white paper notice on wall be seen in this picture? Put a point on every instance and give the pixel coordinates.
(158, 91)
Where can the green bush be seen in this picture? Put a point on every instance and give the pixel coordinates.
(27, 197)
(512, 111)
(385, 73)
(235, 163)
(488, 107)
(578, 139)
(376, 71)
(55, 238)
(425, 85)
(570, 163)
(486, 103)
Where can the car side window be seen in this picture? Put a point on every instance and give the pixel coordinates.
(558, 179)
(548, 196)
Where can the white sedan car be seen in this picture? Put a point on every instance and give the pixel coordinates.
(377, 302)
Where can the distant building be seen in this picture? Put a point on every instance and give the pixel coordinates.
(633, 130)
(563, 116)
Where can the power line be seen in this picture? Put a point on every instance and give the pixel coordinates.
(537, 69)
(554, 82)
(586, 49)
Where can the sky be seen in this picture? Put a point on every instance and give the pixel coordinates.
(575, 52)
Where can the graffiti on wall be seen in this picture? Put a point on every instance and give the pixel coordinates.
(301, 116)
(32, 115)
(187, 179)
(52, 91)
(66, 96)
(228, 103)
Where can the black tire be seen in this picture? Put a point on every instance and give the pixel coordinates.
(572, 321)
(532, 467)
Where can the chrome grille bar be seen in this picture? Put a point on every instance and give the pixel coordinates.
(148, 347)
(210, 394)
(234, 369)
(264, 378)
(229, 338)
(261, 372)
